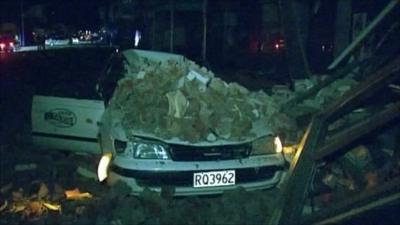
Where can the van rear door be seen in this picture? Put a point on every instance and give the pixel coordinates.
(66, 123)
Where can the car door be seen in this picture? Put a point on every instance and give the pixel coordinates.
(66, 123)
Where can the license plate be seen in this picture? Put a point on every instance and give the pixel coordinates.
(214, 178)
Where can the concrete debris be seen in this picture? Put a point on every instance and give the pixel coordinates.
(34, 210)
(30, 206)
(303, 85)
(25, 167)
(323, 98)
(364, 166)
(282, 93)
(360, 165)
(195, 75)
(43, 191)
(335, 90)
(359, 157)
(351, 118)
(6, 188)
(176, 99)
(3, 205)
(177, 103)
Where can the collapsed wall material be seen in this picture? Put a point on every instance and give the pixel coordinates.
(176, 99)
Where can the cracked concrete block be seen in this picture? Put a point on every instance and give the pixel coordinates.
(193, 75)
(240, 127)
(177, 103)
(235, 89)
(303, 85)
(223, 127)
(204, 113)
(219, 86)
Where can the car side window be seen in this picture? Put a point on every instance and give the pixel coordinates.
(109, 79)
(62, 74)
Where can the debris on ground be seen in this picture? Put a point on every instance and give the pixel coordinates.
(363, 167)
(29, 206)
(40, 196)
(62, 199)
(76, 194)
(23, 167)
(306, 107)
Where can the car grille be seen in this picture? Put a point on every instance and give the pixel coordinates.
(185, 178)
(226, 152)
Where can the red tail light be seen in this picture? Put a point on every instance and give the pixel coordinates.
(2, 45)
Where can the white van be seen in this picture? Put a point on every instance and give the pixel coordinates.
(144, 158)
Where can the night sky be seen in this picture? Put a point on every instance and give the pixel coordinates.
(82, 14)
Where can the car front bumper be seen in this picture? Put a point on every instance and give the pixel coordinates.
(252, 173)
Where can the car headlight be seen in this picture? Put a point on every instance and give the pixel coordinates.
(266, 145)
(149, 151)
(278, 145)
(102, 169)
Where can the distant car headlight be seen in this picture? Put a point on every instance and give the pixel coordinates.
(266, 145)
(149, 151)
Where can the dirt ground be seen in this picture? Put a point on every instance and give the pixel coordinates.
(30, 179)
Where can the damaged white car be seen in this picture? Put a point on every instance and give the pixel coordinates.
(165, 122)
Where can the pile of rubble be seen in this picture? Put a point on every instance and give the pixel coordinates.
(178, 99)
(322, 98)
(364, 167)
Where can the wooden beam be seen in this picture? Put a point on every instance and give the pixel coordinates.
(366, 89)
(291, 200)
(358, 130)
